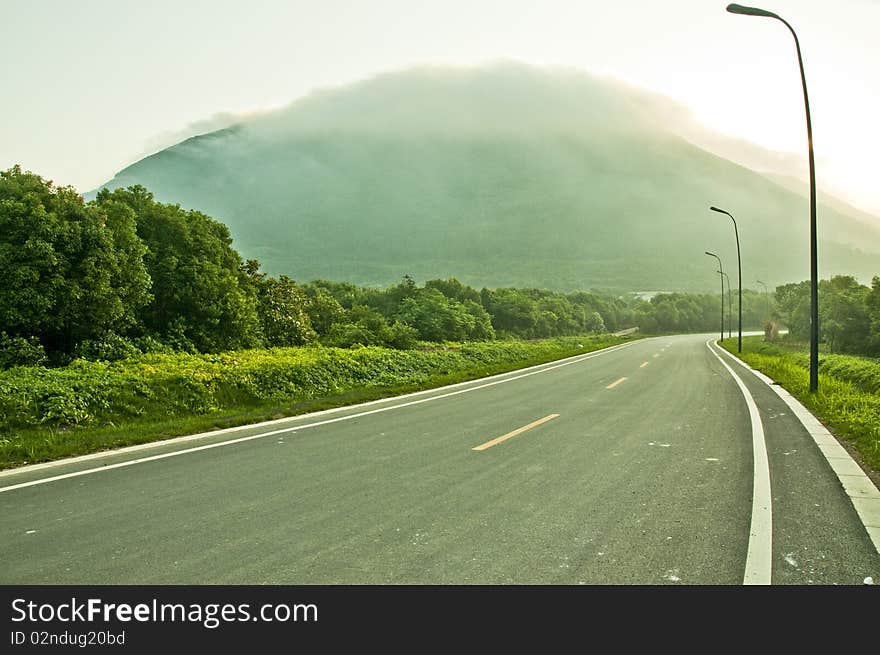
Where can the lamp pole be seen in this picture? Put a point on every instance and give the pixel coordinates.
(814, 272)
(739, 347)
(720, 277)
(729, 311)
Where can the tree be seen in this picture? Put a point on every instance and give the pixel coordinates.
(201, 291)
(437, 318)
(512, 312)
(71, 271)
(844, 321)
(282, 307)
(362, 325)
(345, 293)
(454, 290)
(613, 311)
(323, 309)
(872, 306)
(594, 323)
(793, 305)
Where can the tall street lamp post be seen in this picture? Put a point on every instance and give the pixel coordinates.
(814, 273)
(729, 311)
(720, 277)
(739, 347)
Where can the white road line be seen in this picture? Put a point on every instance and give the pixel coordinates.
(759, 558)
(861, 491)
(574, 360)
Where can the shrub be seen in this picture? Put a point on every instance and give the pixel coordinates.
(18, 351)
(108, 347)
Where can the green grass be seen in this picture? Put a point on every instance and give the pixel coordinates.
(848, 399)
(48, 414)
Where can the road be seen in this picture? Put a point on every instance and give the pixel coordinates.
(628, 466)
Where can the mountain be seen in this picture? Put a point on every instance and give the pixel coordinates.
(500, 175)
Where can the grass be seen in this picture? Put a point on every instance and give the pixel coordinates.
(48, 414)
(848, 399)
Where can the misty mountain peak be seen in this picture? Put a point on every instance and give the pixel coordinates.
(498, 175)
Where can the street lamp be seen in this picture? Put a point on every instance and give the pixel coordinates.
(720, 276)
(729, 312)
(739, 347)
(814, 272)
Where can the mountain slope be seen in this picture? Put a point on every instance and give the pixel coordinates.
(503, 175)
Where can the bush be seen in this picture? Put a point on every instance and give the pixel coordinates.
(400, 336)
(168, 385)
(109, 347)
(346, 335)
(18, 351)
(150, 344)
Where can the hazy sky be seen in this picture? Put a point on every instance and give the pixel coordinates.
(91, 86)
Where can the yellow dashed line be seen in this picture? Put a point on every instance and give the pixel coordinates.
(505, 437)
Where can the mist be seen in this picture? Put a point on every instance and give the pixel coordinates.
(501, 175)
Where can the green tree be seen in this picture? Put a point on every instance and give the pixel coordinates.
(454, 290)
(844, 321)
(872, 306)
(436, 317)
(793, 305)
(282, 308)
(512, 311)
(201, 291)
(323, 309)
(594, 323)
(345, 293)
(72, 271)
(362, 325)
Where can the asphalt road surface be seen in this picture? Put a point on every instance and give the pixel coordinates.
(633, 465)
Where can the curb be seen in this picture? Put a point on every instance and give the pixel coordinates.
(861, 491)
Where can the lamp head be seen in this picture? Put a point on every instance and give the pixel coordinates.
(711, 254)
(749, 11)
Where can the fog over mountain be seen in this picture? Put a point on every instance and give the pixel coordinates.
(500, 175)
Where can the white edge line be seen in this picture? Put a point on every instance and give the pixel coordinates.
(759, 558)
(508, 377)
(866, 500)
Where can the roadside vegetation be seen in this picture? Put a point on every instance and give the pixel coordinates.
(848, 399)
(93, 405)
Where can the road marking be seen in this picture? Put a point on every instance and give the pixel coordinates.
(644, 364)
(505, 437)
(759, 558)
(533, 370)
(863, 494)
(615, 383)
(657, 355)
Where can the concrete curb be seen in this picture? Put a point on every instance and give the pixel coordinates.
(861, 491)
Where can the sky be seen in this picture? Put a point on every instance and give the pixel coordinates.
(91, 86)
